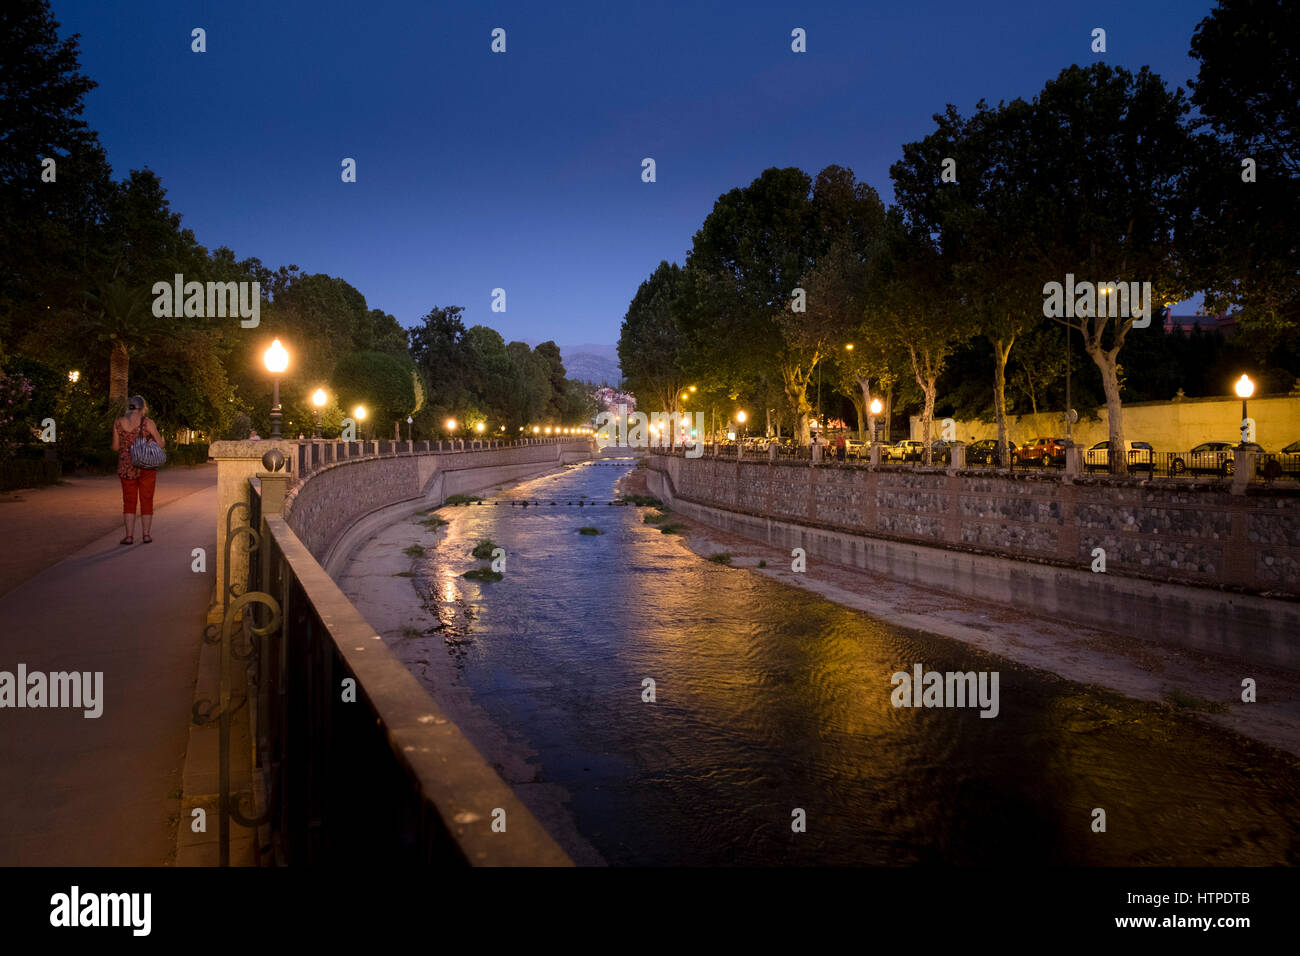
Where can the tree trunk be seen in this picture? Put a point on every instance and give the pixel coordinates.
(863, 427)
(119, 363)
(1106, 362)
(888, 413)
(1001, 352)
(796, 389)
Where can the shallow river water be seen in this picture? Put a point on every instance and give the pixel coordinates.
(769, 699)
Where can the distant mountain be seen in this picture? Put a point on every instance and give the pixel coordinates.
(597, 364)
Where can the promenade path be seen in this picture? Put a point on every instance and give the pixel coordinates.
(107, 790)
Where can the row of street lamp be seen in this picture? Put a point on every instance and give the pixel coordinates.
(276, 359)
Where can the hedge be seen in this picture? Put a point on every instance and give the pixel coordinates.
(27, 473)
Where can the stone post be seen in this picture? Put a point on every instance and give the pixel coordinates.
(816, 453)
(875, 454)
(740, 451)
(771, 451)
(958, 457)
(237, 461)
(1073, 461)
(1243, 469)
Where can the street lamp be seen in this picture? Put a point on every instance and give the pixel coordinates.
(276, 360)
(318, 398)
(479, 427)
(741, 418)
(451, 426)
(875, 410)
(409, 422)
(74, 377)
(1245, 388)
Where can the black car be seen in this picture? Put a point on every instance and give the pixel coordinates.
(985, 451)
(941, 451)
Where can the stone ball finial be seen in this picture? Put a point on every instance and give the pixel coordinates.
(273, 460)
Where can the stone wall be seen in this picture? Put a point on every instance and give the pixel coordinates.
(1198, 533)
(328, 502)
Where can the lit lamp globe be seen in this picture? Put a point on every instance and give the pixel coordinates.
(359, 413)
(276, 359)
(318, 398)
(478, 427)
(876, 407)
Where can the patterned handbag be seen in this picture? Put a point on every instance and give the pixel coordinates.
(145, 453)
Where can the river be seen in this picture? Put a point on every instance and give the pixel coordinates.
(770, 700)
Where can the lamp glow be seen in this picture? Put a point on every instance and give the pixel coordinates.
(319, 398)
(1245, 387)
(276, 358)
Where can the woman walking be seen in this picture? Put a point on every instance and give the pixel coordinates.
(135, 481)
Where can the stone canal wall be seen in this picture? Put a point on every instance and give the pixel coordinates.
(341, 504)
(1194, 562)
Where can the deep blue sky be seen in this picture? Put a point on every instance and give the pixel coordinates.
(522, 170)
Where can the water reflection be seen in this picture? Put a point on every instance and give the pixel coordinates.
(769, 699)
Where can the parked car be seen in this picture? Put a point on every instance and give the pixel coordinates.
(905, 450)
(1210, 457)
(1140, 455)
(985, 452)
(941, 451)
(1285, 462)
(1044, 451)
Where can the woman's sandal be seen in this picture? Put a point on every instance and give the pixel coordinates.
(129, 539)
(147, 539)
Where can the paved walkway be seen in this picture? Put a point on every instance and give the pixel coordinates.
(42, 526)
(105, 791)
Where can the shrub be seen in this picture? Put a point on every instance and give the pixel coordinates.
(589, 530)
(192, 454)
(461, 500)
(21, 473)
(414, 551)
(720, 558)
(483, 550)
(672, 529)
(482, 574)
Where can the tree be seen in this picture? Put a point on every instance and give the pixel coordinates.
(912, 299)
(1103, 162)
(753, 251)
(1240, 236)
(49, 227)
(650, 342)
(530, 387)
(978, 222)
(378, 381)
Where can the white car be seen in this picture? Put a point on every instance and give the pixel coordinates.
(906, 450)
(1211, 457)
(1140, 455)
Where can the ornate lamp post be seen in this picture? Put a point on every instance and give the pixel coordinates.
(1245, 388)
(875, 410)
(276, 360)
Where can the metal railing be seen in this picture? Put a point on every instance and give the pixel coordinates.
(1141, 463)
(355, 762)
